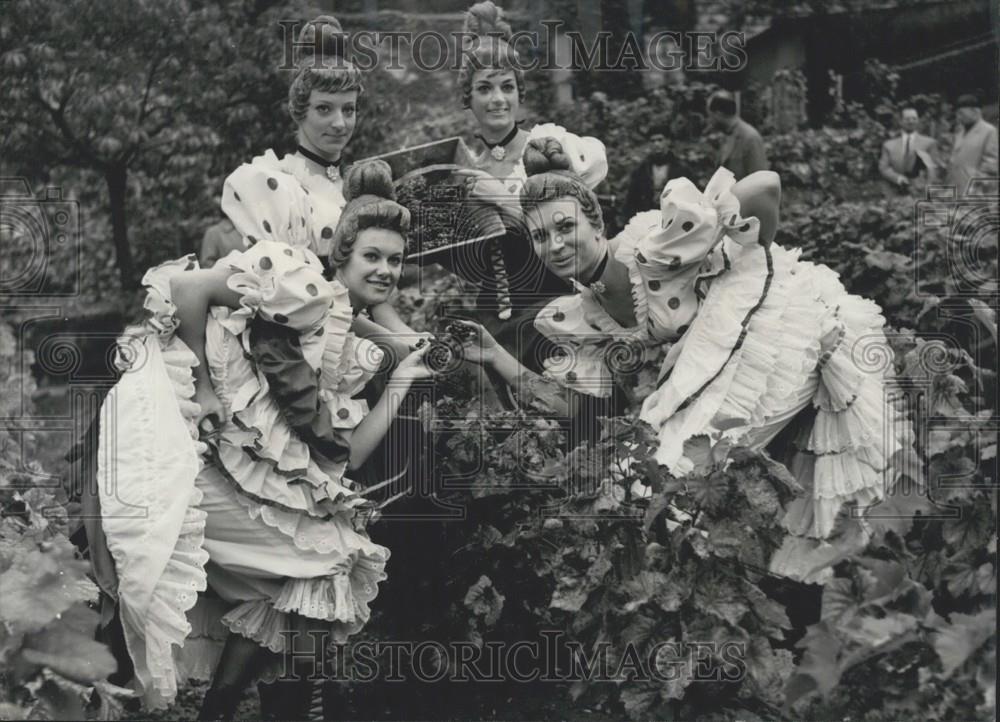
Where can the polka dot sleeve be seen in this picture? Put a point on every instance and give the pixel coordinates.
(281, 284)
(267, 204)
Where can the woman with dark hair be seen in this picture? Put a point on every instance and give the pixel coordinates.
(266, 509)
(756, 337)
(513, 284)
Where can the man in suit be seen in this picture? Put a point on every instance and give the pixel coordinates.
(974, 151)
(220, 238)
(742, 151)
(908, 156)
(647, 180)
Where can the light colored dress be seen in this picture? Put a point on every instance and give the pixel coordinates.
(757, 336)
(276, 529)
(326, 198)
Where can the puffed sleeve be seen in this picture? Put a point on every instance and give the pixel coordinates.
(579, 360)
(267, 204)
(280, 284)
(672, 259)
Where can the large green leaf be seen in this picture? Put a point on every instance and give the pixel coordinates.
(959, 640)
(39, 585)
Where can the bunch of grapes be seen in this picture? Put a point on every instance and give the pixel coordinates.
(436, 210)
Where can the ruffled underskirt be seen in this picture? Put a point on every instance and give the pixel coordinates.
(808, 343)
(301, 560)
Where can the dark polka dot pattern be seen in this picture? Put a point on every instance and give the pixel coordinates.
(311, 289)
(281, 318)
(288, 251)
(266, 264)
(559, 317)
(744, 228)
(343, 413)
(674, 303)
(327, 232)
(654, 285)
(272, 183)
(252, 240)
(688, 225)
(267, 226)
(571, 376)
(681, 330)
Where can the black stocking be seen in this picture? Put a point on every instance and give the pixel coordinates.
(240, 661)
(289, 698)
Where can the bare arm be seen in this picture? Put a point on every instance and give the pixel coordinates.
(759, 195)
(193, 292)
(373, 427)
(385, 315)
(398, 342)
(485, 350)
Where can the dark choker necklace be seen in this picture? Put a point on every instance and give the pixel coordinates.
(497, 150)
(332, 167)
(600, 268)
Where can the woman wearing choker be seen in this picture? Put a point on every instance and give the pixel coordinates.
(323, 102)
(268, 509)
(759, 341)
(514, 284)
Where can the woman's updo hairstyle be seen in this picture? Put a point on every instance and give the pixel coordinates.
(371, 203)
(489, 49)
(323, 65)
(550, 178)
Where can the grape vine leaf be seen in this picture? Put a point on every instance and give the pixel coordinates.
(959, 640)
(39, 585)
(484, 600)
(67, 647)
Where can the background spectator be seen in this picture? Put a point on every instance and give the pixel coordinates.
(220, 238)
(647, 180)
(974, 152)
(909, 155)
(742, 151)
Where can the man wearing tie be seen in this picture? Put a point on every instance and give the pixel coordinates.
(905, 157)
(974, 151)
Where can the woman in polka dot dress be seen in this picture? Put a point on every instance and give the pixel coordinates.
(265, 510)
(512, 283)
(323, 102)
(758, 340)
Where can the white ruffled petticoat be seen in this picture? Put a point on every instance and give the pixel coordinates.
(758, 336)
(273, 528)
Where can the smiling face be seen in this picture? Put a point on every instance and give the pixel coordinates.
(329, 122)
(373, 268)
(494, 100)
(564, 239)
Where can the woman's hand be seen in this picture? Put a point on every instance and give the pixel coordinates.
(413, 368)
(480, 348)
(211, 412)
